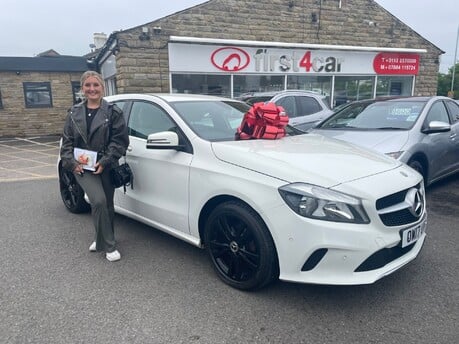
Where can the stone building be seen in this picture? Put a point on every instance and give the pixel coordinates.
(345, 49)
(36, 92)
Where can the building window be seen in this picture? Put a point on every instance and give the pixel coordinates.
(258, 83)
(318, 84)
(394, 86)
(110, 86)
(350, 88)
(37, 94)
(76, 92)
(219, 85)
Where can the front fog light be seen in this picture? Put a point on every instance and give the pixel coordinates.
(320, 203)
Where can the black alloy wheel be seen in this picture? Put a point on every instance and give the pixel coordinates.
(71, 193)
(240, 246)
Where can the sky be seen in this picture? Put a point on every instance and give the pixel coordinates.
(29, 27)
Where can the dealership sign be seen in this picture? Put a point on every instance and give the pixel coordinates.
(231, 59)
(392, 63)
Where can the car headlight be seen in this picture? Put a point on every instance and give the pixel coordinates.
(395, 155)
(320, 203)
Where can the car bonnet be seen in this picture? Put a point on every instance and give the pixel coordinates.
(384, 141)
(307, 158)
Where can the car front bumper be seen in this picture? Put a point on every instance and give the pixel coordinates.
(321, 252)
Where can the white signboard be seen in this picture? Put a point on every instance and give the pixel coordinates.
(185, 57)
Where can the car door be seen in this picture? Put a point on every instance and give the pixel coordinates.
(160, 192)
(310, 107)
(290, 107)
(440, 147)
(453, 110)
(301, 109)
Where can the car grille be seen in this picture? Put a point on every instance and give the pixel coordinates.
(383, 257)
(403, 207)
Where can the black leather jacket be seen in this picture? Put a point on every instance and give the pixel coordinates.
(111, 144)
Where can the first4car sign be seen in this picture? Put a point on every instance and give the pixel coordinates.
(234, 59)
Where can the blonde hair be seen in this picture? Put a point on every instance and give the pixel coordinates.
(91, 73)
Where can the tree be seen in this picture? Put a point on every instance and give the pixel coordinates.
(444, 82)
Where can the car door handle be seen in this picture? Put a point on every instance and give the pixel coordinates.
(129, 149)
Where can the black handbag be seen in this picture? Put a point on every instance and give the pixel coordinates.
(122, 176)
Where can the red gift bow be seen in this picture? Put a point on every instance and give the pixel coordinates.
(263, 121)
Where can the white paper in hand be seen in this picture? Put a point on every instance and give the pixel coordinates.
(86, 158)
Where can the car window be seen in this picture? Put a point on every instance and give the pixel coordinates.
(437, 113)
(308, 106)
(453, 109)
(378, 115)
(147, 118)
(289, 105)
(121, 104)
(212, 120)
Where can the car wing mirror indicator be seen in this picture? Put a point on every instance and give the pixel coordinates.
(164, 140)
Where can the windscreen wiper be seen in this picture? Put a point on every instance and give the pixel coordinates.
(388, 128)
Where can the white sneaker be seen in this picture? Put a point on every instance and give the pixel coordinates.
(92, 248)
(113, 256)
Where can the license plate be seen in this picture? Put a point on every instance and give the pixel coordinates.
(411, 235)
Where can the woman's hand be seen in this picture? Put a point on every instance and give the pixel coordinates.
(78, 169)
(99, 168)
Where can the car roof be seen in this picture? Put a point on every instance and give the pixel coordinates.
(275, 93)
(393, 99)
(168, 97)
(408, 98)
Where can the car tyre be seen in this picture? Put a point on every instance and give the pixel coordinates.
(71, 193)
(417, 166)
(240, 246)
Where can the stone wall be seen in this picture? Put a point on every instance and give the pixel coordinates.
(17, 120)
(142, 65)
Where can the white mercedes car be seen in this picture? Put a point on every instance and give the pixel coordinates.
(303, 208)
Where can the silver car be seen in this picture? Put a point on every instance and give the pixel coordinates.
(304, 108)
(422, 132)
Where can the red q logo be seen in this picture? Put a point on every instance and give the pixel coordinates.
(230, 59)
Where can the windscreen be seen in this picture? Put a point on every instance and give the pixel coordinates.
(212, 120)
(378, 115)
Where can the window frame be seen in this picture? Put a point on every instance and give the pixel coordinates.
(76, 88)
(449, 105)
(46, 85)
(141, 111)
(443, 107)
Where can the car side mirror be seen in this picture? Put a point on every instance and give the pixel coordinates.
(436, 127)
(164, 140)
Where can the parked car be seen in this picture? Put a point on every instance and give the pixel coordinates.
(302, 208)
(422, 132)
(304, 108)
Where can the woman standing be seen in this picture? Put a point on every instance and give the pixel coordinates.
(96, 126)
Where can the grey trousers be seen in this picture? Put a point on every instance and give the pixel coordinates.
(100, 193)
